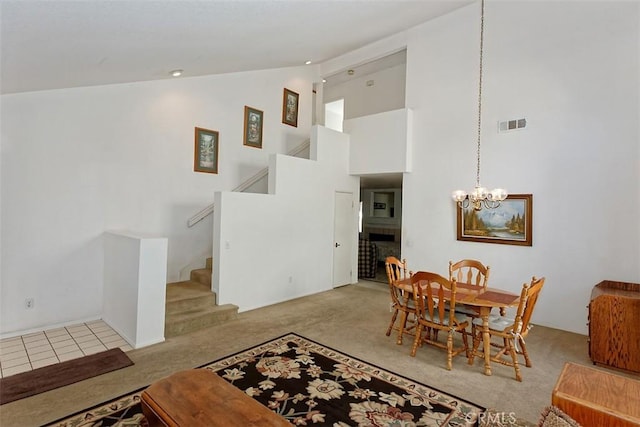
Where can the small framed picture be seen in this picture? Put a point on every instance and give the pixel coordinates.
(252, 127)
(290, 108)
(511, 223)
(206, 151)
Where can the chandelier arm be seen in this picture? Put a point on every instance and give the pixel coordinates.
(464, 204)
(491, 204)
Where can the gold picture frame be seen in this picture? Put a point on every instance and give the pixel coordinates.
(206, 150)
(290, 107)
(253, 120)
(511, 223)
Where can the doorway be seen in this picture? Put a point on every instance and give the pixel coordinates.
(381, 219)
(334, 114)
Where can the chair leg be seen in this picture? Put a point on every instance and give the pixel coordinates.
(416, 340)
(466, 343)
(449, 349)
(514, 358)
(476, 343)
(527, 361)
(403, 324)
(393, 320)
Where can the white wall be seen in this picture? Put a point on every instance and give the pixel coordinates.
(77, 162)
(386, 93)
(365, 54)
(381, 143)
(570, 68)
(274, 247)
(135, 285)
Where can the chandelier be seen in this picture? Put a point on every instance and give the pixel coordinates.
(480, 197)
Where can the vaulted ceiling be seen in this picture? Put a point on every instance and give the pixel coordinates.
(52, 44)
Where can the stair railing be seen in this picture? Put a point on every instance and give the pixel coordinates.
(202, 214)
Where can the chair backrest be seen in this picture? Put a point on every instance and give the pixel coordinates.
(469, 271)
(396, 269)
(428, 290)
(528, 299)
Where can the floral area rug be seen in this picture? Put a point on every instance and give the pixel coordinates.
(311, 384)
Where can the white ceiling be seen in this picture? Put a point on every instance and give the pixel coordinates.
(52, 44)
(360, 70)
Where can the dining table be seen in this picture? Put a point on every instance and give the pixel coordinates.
(484, 299)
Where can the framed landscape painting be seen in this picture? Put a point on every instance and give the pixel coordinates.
(206, 151)
(252, 127)
(509, 224)
(290, 108)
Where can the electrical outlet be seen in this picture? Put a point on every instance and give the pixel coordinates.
(28, 303)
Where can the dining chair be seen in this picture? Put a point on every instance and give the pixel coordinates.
(401, 300)
(469, 271)
(429, 291)
(472, 272)
(511, 331)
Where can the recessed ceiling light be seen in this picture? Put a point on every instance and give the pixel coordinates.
(308, 62)
(324, 80)
(176, 73)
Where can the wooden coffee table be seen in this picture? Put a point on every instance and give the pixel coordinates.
(596, 398)
(199, 397)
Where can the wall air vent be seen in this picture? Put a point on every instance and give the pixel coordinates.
(509, 125)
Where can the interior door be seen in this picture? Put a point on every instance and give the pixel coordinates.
(343, 232)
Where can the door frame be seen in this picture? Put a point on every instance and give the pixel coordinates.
(349, 238)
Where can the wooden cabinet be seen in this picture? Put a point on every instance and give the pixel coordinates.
(614, 325)
(596, 398)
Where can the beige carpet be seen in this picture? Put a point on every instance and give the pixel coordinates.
(351, 319)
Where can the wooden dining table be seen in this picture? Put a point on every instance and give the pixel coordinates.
(483, 299)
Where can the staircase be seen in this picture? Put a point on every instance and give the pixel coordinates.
(191, 305)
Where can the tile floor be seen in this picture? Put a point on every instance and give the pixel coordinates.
(32, 351)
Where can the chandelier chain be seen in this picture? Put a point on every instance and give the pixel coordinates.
(480, 92)
(480, 197)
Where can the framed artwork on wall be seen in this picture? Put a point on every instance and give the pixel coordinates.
(509, 224)
(290, 108)
(206, 151)
(252, 127)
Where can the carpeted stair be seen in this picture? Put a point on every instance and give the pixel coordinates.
(191, 305)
